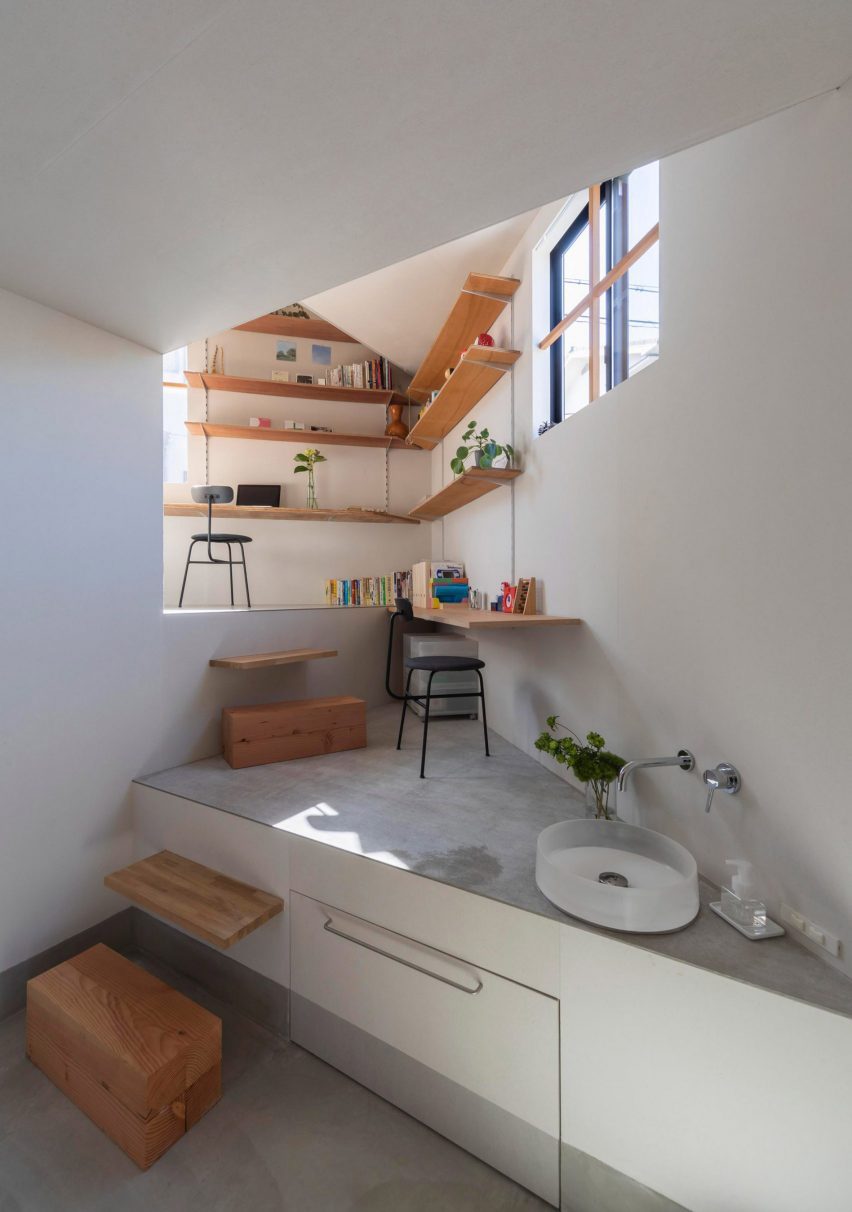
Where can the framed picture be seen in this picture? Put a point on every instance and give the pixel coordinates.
(286, 351)
(321, 354)
(304, 378)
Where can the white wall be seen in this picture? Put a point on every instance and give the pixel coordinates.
(697, 519)
(288, 563)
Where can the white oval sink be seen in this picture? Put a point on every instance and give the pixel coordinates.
(650, 883)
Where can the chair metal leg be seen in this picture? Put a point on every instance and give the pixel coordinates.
(231, 571)
(404, 709)
(245, 576)
(484, 717)
(426, 725)
(186, 573)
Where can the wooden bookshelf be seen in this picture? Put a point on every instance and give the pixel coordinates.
(477, 372)
(488, 620)
(189, 509)
(481, 300)
(304, 391)
(289, 326)
(206, 429)
(469, 486)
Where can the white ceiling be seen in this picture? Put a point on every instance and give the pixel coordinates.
(173, 167)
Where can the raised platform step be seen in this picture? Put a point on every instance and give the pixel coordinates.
(139, 1058)
(205, 902)
(266, 660)
(280, 732)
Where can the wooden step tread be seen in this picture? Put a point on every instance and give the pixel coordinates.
(205, 902)
(265, 660)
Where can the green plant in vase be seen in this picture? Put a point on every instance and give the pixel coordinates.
(305, 461)
(485, 449)
(591, 762)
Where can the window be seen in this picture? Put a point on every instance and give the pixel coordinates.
(605, 292)
(175, 449)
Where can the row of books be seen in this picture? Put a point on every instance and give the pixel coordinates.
(375, 374)
(368, 591)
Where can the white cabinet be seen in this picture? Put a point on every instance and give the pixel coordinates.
(472, 1054)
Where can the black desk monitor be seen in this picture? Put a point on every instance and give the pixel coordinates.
(259, 494)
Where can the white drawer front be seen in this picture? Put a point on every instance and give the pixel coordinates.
(443, 1025)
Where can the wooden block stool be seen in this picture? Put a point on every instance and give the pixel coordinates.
(280, 732)
(140, 1059)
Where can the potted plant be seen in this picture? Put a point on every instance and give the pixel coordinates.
(486, 450)
(305, 461)
(591, 763)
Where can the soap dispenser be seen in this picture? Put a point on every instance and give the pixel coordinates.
(740, 903)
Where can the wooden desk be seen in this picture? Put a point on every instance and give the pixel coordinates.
(488, 620)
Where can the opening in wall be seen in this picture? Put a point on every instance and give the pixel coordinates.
(175, 445)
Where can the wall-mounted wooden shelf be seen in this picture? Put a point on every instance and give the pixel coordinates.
(467, 487)
(189, 509)
(477, 372)
(305, 437)
(304, 391)
(207, 903)
(488, 620)
(288, 326)
(482, 299)
(267, 660)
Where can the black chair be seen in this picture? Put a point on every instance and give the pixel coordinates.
(216, 494)
(431, 665)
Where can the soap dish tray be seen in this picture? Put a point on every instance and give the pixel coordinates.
(770, 930)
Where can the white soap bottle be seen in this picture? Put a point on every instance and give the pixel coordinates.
(740, 902)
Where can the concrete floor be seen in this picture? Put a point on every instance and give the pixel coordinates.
(290, 1133)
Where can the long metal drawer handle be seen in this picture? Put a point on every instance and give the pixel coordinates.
(445, 980)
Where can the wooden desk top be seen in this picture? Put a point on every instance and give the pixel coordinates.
(488, 620)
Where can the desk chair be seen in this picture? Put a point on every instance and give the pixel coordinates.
(431, 665)
(218, 494)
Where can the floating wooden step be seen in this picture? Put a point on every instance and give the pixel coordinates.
(280, 732)
(478, 371)
(266, 660)
(205, 902)
(471, 484)
(303, 391)
(483, 297)
(205, 429)
(312, 329)
(140, 1059)
(189, 509)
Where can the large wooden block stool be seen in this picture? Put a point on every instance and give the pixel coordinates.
(140, 1059)
(279, 732)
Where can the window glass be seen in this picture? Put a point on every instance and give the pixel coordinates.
(175, 446)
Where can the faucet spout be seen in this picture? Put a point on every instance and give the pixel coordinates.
(683, 758)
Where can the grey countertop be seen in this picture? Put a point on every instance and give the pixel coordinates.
(473, 824)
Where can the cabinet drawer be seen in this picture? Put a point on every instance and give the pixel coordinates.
(472, 1054)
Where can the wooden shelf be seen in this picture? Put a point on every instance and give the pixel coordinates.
(266, 660)
(480, 302)
(477, 372)
(465, 488)
(205, 902)
(289, 326)
(488, 620)
(189, 509)
(305, 437)
(304, 391)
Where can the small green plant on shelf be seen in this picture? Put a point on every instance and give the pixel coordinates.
(485, 449)
(591, 762)
(305, 461)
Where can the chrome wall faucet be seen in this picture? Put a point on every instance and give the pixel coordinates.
(684, 759)
(723, 777)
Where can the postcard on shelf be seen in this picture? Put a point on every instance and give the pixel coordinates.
(321, 354)
(280, 376)
(304, 378)
(260, 422)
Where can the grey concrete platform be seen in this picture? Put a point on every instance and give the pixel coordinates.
(471, 823)
(290, 1133)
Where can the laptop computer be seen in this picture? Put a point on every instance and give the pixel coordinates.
(259, 494)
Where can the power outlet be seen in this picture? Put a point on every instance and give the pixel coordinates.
(810, 931)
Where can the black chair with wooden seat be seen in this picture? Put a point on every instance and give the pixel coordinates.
(431, 665)
(216, 494)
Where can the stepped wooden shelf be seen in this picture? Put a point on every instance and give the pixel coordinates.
(488, 620)
(203, 901)
(206, 429)
(481, 300)
(267, 660)
(477, 372)
(288, 326)
(304, 391)
(189, 509)
(471, 484)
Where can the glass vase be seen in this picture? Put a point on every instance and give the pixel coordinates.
(606, 810)
(312, 496)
